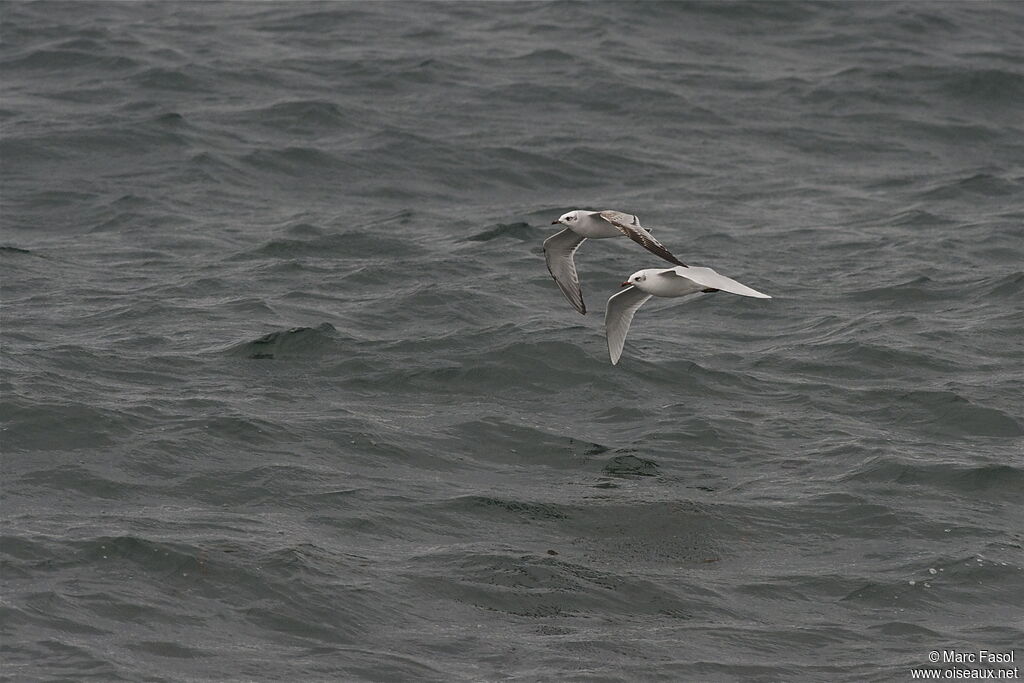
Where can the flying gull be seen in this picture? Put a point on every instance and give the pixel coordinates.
(667, 282)
(581, 224)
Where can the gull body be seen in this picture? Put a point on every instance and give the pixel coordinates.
(664, 282)
(593, 225)
(582, 224)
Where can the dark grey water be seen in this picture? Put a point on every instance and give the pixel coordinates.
(288, 393)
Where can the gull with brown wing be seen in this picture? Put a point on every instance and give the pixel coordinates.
(581, 224)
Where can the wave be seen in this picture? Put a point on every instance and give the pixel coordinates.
(295, 343)
(996, 480)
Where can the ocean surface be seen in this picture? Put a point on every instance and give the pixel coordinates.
(289, 395)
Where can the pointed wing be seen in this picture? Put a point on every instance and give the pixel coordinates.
(617, 317)
(558, 252)
(706, 277)
(618, 217)
(630, 227)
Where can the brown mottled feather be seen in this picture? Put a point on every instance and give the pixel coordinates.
(631, 228)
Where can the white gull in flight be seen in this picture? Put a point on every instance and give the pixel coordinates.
(581, 224)
(667, 282)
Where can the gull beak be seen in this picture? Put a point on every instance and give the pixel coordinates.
(554, 222)
(626, 284)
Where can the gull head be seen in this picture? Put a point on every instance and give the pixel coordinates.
(639, 279)
(569, 219)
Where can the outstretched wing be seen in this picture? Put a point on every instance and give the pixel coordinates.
(558, 252)
(617, 317)
(630, 227)
(706, 277)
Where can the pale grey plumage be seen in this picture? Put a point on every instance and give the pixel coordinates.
(617, 317)
(580, 224)
(558, 252)
(665, 282)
